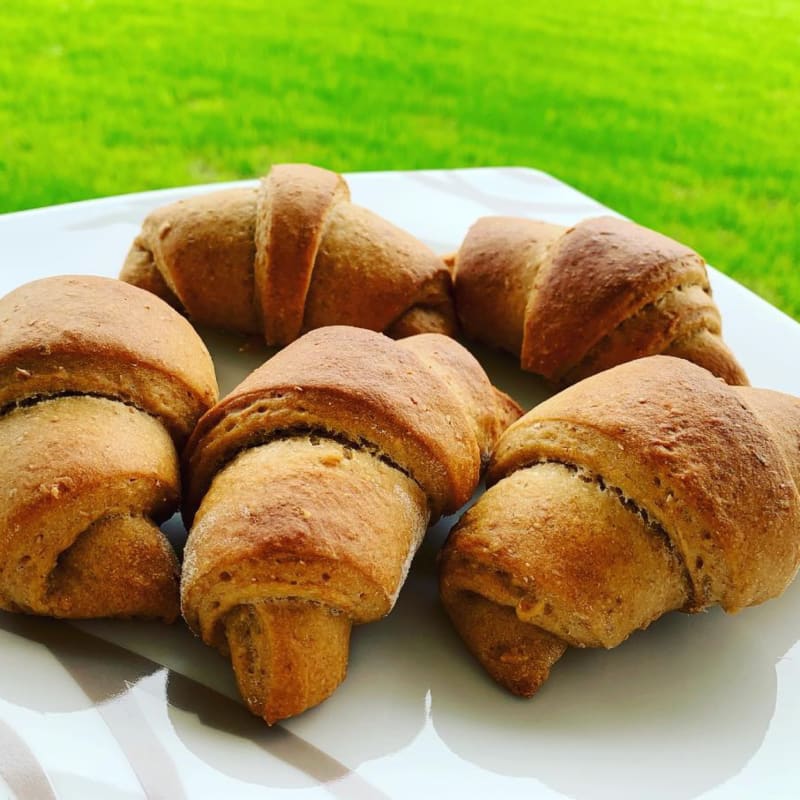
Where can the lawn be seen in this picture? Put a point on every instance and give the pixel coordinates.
(683, 115)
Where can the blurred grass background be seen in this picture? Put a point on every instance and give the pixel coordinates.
(683, 115)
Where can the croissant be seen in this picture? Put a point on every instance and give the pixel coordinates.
(98, 382)
(649, 488)
(571, 302)
(316, 479)
(293, 255)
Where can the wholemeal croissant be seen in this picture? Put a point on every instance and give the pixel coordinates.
(648, 488)
(571, 302)
(316, 479)
(97, 380)
(293, 255)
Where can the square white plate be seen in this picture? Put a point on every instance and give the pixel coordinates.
(695, 706)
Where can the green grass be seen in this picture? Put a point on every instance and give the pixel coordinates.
(684, 115)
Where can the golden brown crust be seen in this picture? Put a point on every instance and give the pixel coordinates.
(286, 551)
(282, 515)
(295, 201)
(387, 272)
(488, 410)
(77, 471)
(89, 335)
(494, 274)
(140, 270)
(638, 266)
(292, 256)
(270, 642)
(517, 655)
(572, 302)
(438, 318)
(647, 488)
(704, 348)
(398, 405)
(96, 380)
(204, 251)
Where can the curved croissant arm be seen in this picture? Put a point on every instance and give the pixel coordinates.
(288, 257)
(572, 302)
(316, 480)
(97, 336)
(649, 488)
(98, 380)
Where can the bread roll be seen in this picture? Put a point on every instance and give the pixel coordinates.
(310, 488)
(649, 488)
(571, 302)
(288, 257)
(98, 382)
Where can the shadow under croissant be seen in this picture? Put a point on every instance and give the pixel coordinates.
(294, 762)
(503, 370)
(214, 725)
(380, 706)
(673, 712)
(104, 676)
(235, 356)
(101, 671)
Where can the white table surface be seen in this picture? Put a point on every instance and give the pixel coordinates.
(704, 706)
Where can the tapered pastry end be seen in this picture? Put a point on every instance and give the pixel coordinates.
(425, 319)
(706, 349)
(508, 410)
(122, 566)
(140, 270)
(516, 654)
(288, 655)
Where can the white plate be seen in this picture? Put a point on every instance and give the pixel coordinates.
(695, 706)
